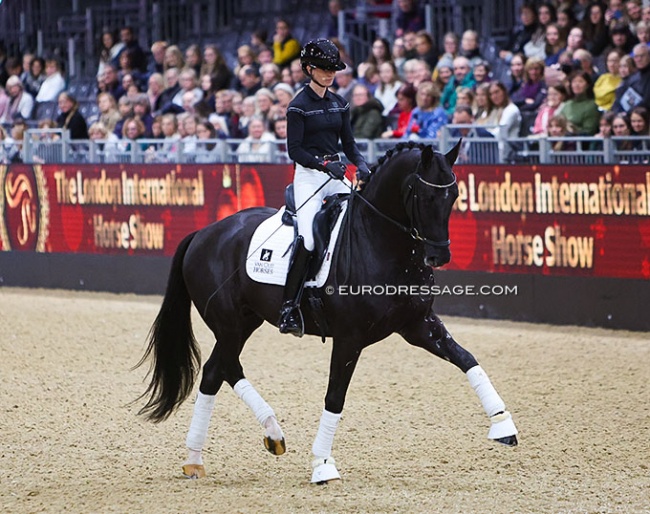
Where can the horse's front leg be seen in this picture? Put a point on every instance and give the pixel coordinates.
(345, 356)
(433, 336)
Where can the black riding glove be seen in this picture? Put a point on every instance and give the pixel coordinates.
(363, 173)
(335, 169)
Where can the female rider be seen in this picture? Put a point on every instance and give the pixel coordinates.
(317, 119)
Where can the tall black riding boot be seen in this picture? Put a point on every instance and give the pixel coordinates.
(291, 321)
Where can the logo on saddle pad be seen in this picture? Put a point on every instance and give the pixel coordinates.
(270, 249)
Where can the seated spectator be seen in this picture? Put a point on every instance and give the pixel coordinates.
(365, 114)
(53, 83)
(249, 80)
(132, 132)
(279, 130)
(110, 82)
(465, 96)
(605, 85)
(165, 103)
(109, 116)
(154, 92)
(486, 114)
(248, 111)
(209, 148)
(9, 151)
(284, 93)
(34, 78)
(604, 128)
(106, 143)
(128, 67)
(556, 96)
(389, 84)
(632, 13)
(429, 116)
(626, 96)
(554, 44)
(188, 82)
(536, 47)
(532, 92)
(194, 59)
(507, 113)
(156, 62)
(368, 75)
(481, 73)
(410, 17)
(405, 105)
(640, 121)
(173, 59)
(190, 125)
(443, 73)
(110, 49)
(257, 146)
(641, 58)
(398, 55)
(469, 47)
(622, 130)
(472, 151)
(425, 49)
(585, 61)
(462, 77)
(620, 38)
(169, 149)
(595, 29)
(214, 64)
(21, 103)
(558, 127)
(70, 117)
(516, 76)
(379, 52)
(137, 56)
(345, 82)
(286, 48)
(580, 110)
(270, 74)
(142, 112)
(521, 34)
(264, 99)
(566, 20)
(156, 127)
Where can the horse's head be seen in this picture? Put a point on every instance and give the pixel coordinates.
(428, 195)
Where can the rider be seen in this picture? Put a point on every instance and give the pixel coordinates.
(317, 118)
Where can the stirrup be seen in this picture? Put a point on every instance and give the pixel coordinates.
(291, 322)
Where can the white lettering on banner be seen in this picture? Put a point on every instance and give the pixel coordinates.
(552, 249)
(603, 195)
(132, 234)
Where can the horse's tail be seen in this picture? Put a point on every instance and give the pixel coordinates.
(174, 351)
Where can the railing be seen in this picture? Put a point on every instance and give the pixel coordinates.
(55, 146)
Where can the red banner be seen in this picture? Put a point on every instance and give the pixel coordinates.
(553, 220)
(126, 209)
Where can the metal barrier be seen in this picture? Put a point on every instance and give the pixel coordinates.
(55, 146)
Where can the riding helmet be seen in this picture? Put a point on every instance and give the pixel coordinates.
(321, 53)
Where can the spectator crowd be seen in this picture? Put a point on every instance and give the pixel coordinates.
(568, 68)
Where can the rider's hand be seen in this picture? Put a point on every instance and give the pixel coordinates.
(335, 169)
(363, 173)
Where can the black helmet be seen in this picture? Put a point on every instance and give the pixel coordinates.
(321, 53)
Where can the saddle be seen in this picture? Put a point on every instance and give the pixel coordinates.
(324, 222)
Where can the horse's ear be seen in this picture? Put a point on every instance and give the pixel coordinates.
(427, 157)
(452, 154)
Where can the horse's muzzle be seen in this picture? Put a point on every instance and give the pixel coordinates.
(438, 257)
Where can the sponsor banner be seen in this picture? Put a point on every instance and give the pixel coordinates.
(553, 220)
(126, 209)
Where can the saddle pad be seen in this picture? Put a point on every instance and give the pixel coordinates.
(267, 259)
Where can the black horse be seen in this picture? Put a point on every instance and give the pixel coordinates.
(398, 231)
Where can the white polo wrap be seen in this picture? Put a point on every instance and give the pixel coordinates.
(490, 399)
(198, 432)
(322, 447)
(262, 410)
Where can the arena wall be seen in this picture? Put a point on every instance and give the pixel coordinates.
(544, 244)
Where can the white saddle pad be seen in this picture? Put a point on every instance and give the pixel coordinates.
(269, 252)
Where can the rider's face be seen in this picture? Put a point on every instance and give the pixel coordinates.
(324, 77)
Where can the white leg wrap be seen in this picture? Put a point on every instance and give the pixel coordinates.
(502, 426)
(490, 399)
(198, 432)
(262, 410)
(322, 447)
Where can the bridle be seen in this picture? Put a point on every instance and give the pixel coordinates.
(409, 195)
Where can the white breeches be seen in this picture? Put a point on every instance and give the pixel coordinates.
(305, 182)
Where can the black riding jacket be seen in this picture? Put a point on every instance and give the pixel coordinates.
(314, 127)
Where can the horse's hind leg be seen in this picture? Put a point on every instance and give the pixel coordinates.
(433, 336)
(224, 365)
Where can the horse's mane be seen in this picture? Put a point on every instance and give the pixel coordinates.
(399, 147)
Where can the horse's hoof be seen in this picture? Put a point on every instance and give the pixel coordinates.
(510, 440)
(275, 447)
(194, 471)
(324, 470)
